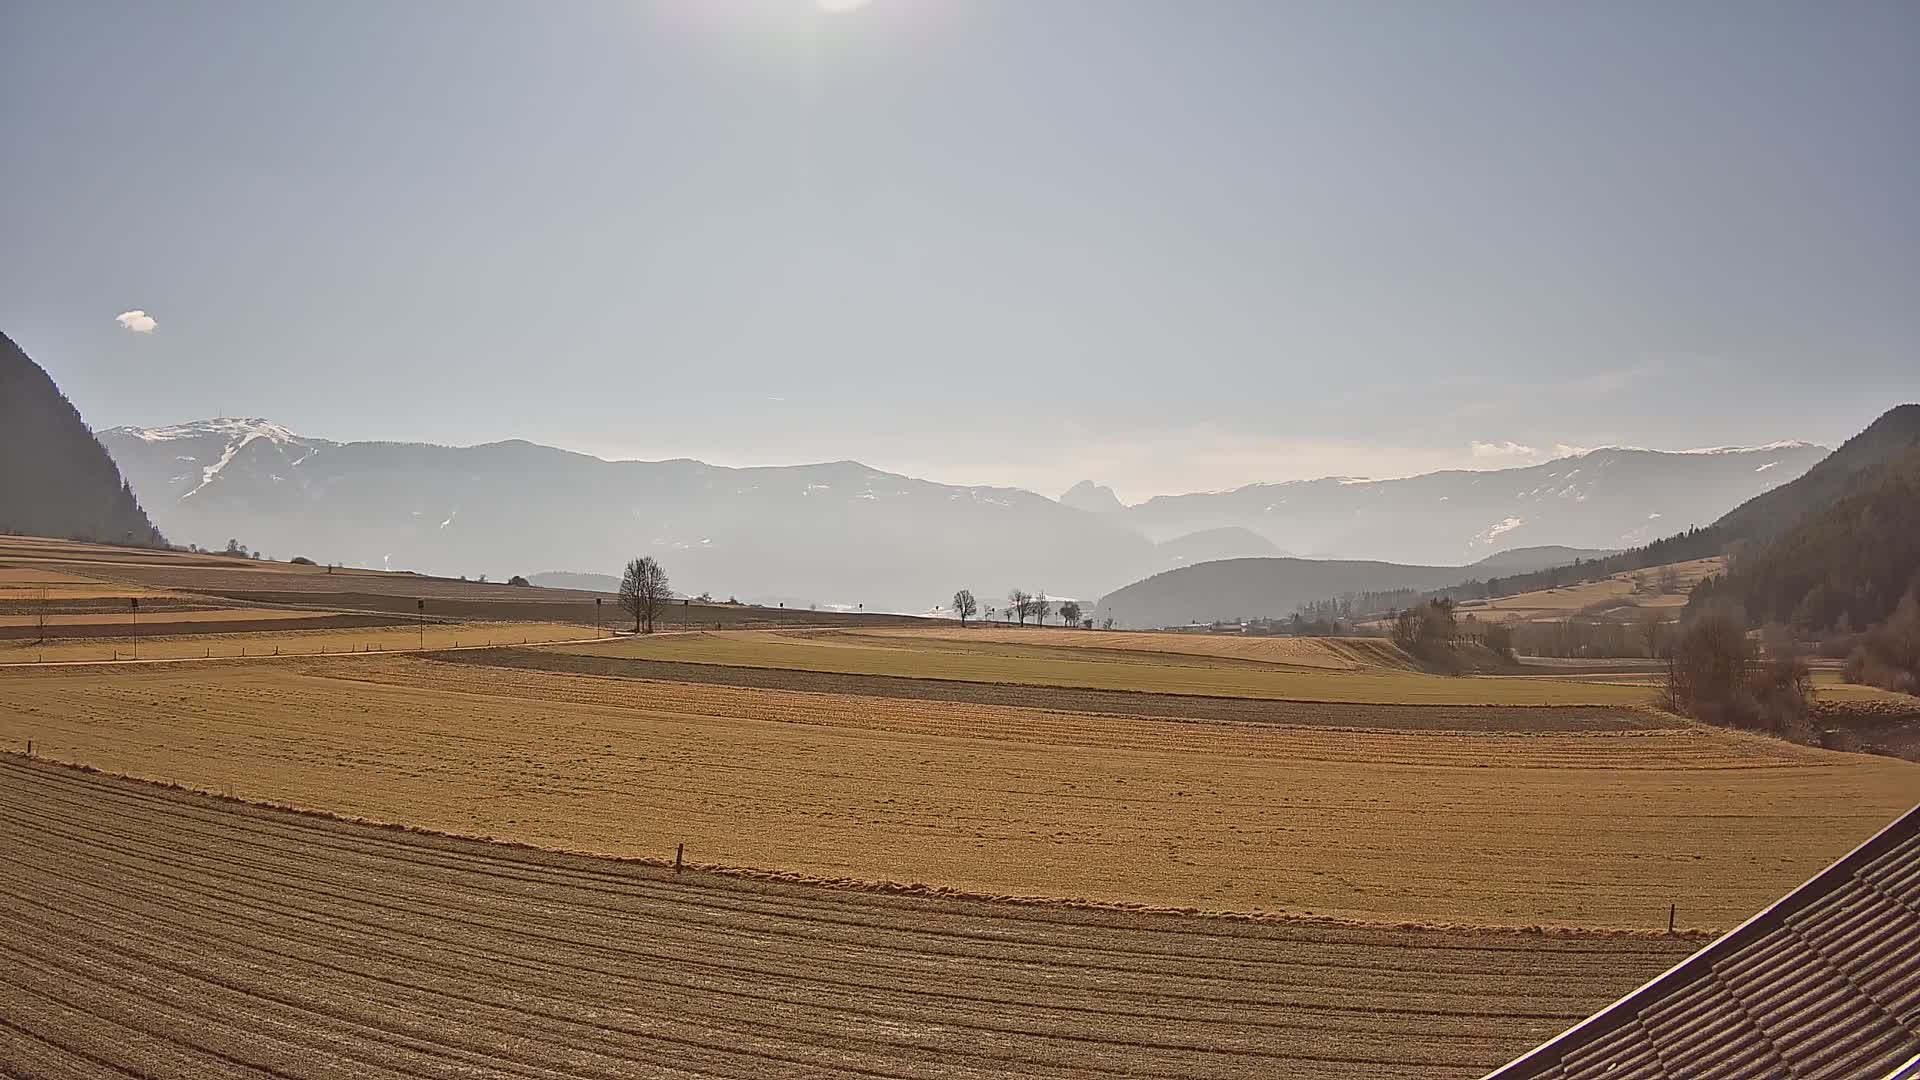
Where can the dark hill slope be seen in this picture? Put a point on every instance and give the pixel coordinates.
(1259, 588)
(1768, 515)
(55, 478)
(1850, 560)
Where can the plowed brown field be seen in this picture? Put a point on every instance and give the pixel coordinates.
(155, 933)
(1580, 829)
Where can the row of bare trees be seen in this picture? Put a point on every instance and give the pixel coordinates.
(1021, 605)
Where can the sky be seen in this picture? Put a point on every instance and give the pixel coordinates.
(1162, 246)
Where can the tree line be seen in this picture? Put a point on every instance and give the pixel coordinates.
(1021, 605)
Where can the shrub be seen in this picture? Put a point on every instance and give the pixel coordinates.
(1888, 656)
(302, 560)
(518, 580)
(1714, 676)
(1499, 638)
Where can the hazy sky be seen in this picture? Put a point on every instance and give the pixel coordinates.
(1162, 245)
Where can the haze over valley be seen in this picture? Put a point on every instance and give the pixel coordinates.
(841, 533)
(959, 540)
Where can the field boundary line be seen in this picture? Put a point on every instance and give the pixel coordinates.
(1624, 707)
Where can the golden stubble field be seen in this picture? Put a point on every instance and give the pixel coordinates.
(236, 641)
(1578, 829)
(1338, 671)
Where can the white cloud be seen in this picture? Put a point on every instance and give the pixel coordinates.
(136, 320)
(1504, 451)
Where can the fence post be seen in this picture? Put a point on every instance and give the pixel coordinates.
(1671, 910)
(679, 853)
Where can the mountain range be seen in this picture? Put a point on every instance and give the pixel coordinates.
(846, 533)
(1836, 539)
(1613, 497)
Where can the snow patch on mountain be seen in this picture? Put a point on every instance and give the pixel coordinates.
(232, 427)
(226, 457)
(1494, 532)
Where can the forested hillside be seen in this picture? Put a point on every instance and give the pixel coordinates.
(1843, 567)
(55, 478)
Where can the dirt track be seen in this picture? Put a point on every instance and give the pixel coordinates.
(1073, 699)
(159, 933)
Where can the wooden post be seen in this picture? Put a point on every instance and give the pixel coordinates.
(29, 747)
(1671, 910)
(679, 854)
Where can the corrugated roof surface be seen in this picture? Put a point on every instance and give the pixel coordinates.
(1825, 983)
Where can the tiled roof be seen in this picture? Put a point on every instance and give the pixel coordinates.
(1825, 983)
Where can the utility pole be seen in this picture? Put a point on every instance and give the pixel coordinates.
(133, 603)
(596, 616)
(420, 605)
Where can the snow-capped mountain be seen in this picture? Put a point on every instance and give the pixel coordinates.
(197, 455)
(1613, 497)
(842, 532)
(837, 532)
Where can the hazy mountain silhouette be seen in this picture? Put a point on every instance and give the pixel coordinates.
(1274, 587)
(55, 477)
(1607, 498)
(846, 533)
(1259, 588)
(1229, 542)
(1528, 559)
(832, 533)
(1091, 497)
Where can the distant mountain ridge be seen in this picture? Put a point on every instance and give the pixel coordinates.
(55, 477)
(1091, 497)
(1607, 498)
(846, 533)
(1273, 588)
(835, 532)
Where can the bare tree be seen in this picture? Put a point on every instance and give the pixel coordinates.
(964, 605)
(1070, 613)
(1020, 602)
(1652, 630)
(1669, 579)
(1042, 607)
(40, 618)
(1707, 668)
(643, 592)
